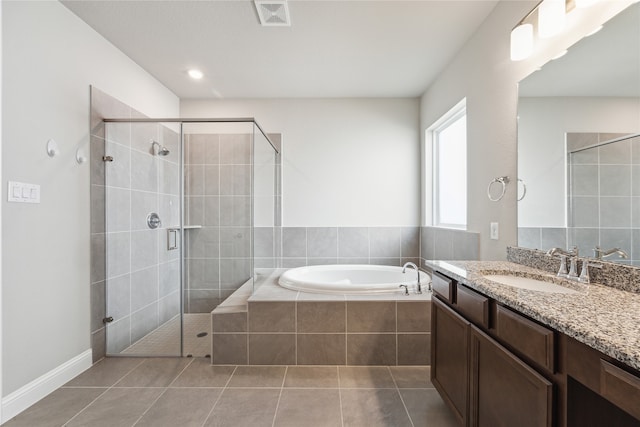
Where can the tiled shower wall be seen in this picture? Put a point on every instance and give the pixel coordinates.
(604, 200)
(218, 205)
(142, 276)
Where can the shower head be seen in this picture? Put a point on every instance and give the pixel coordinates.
(162, 150)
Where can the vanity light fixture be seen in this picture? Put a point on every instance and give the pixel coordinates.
(551, 18)
(585, 3)
(195, 74)
(521, 42)
(547, 19)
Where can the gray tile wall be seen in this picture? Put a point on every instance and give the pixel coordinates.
(302, 246)
(543, 238)
(604, 195)
(448, 244)
(132, 272)
(218, 200)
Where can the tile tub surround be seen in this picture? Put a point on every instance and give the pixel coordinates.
(445, 243)
(613, 274)
(285, 327)
(302, 246)
(601, 317)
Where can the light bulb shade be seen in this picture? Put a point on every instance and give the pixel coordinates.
(585, 3)
(521, 42)
(551, 17)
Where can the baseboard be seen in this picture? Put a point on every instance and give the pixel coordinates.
(29, 394)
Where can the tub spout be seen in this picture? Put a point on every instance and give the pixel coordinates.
(412, 265)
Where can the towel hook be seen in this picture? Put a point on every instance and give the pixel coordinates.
(502, 180)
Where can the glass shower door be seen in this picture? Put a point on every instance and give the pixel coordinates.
(143, 188)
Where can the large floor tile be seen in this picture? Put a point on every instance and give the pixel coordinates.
(106, 372)
(411, 376)
(426, 408)
(117, 407)
(57, 408)
(245, 407)
(258, 376)
(371, 408)
(311, 376)
(201, 373)
(184, 407)
(311, 407)
(365, 377)
(158, 372)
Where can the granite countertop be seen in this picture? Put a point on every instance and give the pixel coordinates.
(602, 317)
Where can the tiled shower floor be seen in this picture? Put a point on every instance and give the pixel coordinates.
(165, 341)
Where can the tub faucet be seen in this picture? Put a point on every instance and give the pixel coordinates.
(598, 253)
(412, 265)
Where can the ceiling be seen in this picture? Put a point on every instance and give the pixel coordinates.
(604, 64)
(334, 48)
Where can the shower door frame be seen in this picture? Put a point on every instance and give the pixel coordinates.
(181, 122)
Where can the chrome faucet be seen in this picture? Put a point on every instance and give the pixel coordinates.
(412, 265)
(573, 255)
(584, 274)
(598, 253)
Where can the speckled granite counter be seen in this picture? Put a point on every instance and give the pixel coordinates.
(602, 317)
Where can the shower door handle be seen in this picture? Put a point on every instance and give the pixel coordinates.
(172, 239)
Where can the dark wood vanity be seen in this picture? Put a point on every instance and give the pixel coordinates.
(497, 367)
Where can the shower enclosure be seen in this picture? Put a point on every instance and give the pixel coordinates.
(183, 199)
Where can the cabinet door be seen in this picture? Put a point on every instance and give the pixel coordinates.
(504, 390)
(449, 358)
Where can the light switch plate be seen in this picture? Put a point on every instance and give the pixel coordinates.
(495, 231)
(20, 192)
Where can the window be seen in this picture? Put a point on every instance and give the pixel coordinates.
(449, 139)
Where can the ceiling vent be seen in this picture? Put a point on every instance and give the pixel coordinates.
(273, 13)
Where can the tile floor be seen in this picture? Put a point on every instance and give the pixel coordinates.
(191, 392)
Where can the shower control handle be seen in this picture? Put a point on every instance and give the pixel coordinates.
(153, 220)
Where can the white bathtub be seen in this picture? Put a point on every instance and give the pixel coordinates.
(351, 279)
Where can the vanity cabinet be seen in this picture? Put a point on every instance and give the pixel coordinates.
(505, 391)
(449, 358)
(483, 382)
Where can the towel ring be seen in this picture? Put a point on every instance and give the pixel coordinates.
(502, 180)
(524, 189)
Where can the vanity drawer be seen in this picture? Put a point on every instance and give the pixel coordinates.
(442, 286)
(473, 305)
(532, 340)
(620, 388)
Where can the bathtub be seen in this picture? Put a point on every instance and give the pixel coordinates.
(351, 279)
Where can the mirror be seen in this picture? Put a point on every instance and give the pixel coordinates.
(580, 167)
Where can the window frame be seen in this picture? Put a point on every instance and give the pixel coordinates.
(452, 116)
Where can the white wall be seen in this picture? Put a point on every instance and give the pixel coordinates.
(542, 125)
(347, 162)
(50, 57)
(483, 73)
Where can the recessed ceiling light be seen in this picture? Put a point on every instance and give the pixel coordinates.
(195, 74)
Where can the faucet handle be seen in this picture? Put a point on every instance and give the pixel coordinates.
(573, 269)
(584, 274)
(562, 271)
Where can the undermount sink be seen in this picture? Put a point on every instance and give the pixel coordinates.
(529, 283)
